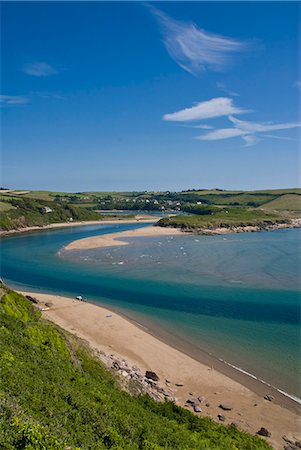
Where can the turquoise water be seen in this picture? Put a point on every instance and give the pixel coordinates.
(235, 296)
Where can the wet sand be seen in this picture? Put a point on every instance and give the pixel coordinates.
(115, 239)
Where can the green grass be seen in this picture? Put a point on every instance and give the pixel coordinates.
(225, 217)
(54, 395)
(288, 202)
(28, 212)
(5, 206)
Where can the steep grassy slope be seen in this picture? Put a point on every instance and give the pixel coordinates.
(55, 395)
(28, 212)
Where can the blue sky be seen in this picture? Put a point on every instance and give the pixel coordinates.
(164, 95)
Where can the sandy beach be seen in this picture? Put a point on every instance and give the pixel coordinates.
(112, 333)
(137, 219)
(115, 239)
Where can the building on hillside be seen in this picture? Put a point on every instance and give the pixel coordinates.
(46, 209)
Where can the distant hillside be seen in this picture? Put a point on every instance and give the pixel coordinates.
(20, 209)
(55, 395)
(288, 202)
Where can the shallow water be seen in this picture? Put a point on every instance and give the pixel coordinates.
(236, 296)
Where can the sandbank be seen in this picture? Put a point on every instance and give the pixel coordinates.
(109, 332)
(115, 239)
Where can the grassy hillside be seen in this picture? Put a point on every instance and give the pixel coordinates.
(287, 202)
(24, 212)
(19, 209)
(222, 217)
(55, 395)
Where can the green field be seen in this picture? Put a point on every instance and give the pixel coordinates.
(4, 206)
(55, 395)
(225, 217)
(288, 202)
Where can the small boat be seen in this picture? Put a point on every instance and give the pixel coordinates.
(80, 298)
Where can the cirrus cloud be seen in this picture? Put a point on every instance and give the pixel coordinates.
(39, 69)
(194, 49)
(13, 100)
(216, 107)
(249, 131)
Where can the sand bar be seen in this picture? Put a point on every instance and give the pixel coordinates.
(138, 219)
(115, 239)
(111, 333)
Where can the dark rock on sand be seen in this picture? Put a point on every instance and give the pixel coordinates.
(264, 432)
(197, 409)
(32, 299)
(270, 398)
(151, 375)
(192, 401)
(221, 417)
(225, 407)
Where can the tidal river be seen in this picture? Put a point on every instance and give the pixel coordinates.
(235, 296)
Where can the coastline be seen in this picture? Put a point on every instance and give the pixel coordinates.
(138, 219)
(292, 223)
(111, 332)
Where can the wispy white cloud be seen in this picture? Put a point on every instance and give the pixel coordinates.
(216, 107)
(249, 131)
(203, 127)
(250, 140)
(282, 138)
(195, 49)
(47, 95)
(222, 133)
(261, 127)
(39, 69)
(227, 91)
(13, 100)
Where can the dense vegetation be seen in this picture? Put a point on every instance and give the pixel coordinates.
(55, 395)
(222, 217)
(24, 212)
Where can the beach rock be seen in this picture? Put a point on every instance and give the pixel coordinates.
(221, 417)
(115, 365)
(151, 375)
(264, 432)
(201, 399)
(197, 409)
(207, 404)
(32, 299)
(192, 401)
(179, 384)
(287, 439)
(48, 304)
(290, 447)
(225, 407)
(298, 444)
(270, 398)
